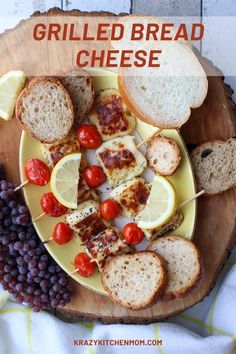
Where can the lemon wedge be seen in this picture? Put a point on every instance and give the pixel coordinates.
(161, 205)
(65, 179)
(11, 85)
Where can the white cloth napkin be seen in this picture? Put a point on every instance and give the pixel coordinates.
(209, 327)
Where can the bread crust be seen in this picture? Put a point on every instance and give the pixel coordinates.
(26, 91)
(195, 152)
(80, 73)
(170, 295)
(176, 150)
(131, 105)
(160, 288)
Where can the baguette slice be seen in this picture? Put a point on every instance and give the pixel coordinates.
(163, 96)
(214, 164)
(163, 155)
(80, 87)
(45, 111)
(183, 264)
(135, 281)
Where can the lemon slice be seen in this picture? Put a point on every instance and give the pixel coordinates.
(11, 85)
(65, 179)
(161, 205)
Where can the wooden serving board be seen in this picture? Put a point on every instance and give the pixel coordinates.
(215, 231)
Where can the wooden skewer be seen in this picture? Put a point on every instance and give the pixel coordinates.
(50, 239)
(21, 185)
(76, 269)
(190, 199)
(157, 132)
(39, 217)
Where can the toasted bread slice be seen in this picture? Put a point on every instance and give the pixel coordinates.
(110, 115)
(80, 87)
(45, 110)
(135, 281)
(163, 155)
(164, 96)
(214, 164)
(183, 264)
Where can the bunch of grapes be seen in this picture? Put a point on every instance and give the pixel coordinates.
(27, 271)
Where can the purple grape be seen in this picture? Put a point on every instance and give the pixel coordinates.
(27, 271)
(19, 287)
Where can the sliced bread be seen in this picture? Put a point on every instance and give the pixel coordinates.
(135, 281)
(214, 164)
(163, 155)
(80, 87)
(44, 109)
(163, 96)
(183, 264)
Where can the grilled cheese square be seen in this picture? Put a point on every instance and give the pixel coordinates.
(52, 153)
(106, 244)
(111, 116)
(132, 196)
(86, 221)
(121, 160)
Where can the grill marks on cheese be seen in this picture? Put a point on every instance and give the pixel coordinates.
(100, 239)
(121, 160)
(110, 115)
(90, 226)
(132, 196)
(117, 159)
(107, 243)
(55, 152)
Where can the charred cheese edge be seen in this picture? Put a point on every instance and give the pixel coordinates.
(52, 153)
(86, 220)
(106, 244)
(170, 226)
(121, 160)
(111, 116)
(132, 196)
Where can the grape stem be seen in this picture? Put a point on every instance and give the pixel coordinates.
(39, 217)
(21, 185)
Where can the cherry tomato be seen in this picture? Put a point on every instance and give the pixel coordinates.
(89, 137)
(94, 176)
(51, 206)
(83, 265)
(132, 234)
(37, 172)
(110, 209)
(62, 233)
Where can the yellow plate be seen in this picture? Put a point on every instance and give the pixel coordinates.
(64, 255)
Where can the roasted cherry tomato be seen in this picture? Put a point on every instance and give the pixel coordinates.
(132, 234)
(94, 176)
(83, 265)
(110, 209)
(37, 172)
(51, 206)
(62, 233)
(89, 137)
